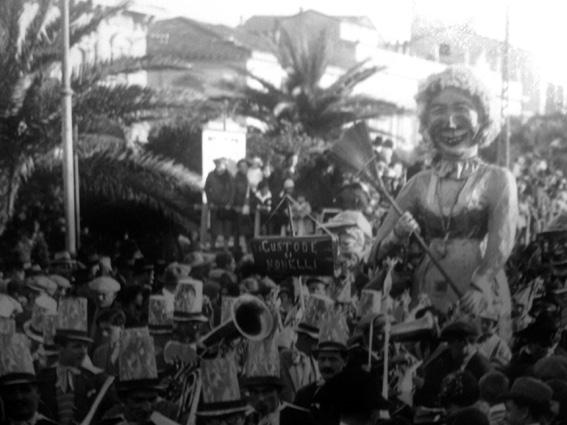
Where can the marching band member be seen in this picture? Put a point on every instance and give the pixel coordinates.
(69, 388)
(263, 386)
(459, 355)
(189, 321)
(138, 384)
(18, 384)
(299, 365)
(331, 355)
(490, 344)
(221, 400)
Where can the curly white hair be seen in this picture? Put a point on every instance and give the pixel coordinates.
(462, 78)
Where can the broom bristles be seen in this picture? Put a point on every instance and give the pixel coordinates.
(354, 150)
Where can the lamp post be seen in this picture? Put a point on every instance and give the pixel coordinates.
(67, 135)
(504, 145)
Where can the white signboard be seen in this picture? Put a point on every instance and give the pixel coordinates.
(226, 139)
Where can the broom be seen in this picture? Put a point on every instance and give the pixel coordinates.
(354, 151)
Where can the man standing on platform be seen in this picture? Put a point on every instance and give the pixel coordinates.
(219, 188)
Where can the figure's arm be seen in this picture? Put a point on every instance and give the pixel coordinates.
(387, 240)
(502, 224)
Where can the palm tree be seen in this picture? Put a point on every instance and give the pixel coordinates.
(301, 102)
(30, 118)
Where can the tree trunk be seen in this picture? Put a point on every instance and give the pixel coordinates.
(9, 182)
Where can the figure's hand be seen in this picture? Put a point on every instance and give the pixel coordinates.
(474, 301)
(405, 226)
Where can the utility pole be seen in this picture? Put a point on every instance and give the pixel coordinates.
(504, 145)
(67, 136)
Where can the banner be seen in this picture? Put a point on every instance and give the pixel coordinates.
(295, 256)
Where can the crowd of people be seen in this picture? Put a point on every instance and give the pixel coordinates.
(234, 198)
(416, 324)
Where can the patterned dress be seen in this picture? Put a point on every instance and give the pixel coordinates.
(467, 212)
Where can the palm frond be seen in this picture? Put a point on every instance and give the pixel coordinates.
(89, 73)
(109, 170)
(35, 32)
(123, 175)
(80, 29)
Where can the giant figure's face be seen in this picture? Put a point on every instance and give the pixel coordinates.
(453, 122)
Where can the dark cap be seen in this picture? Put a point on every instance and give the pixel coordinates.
(552, 367)
(530, 390)
(468, 416)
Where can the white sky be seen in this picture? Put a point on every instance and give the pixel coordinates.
(537, 25)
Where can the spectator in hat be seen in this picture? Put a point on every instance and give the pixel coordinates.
(286, 297)
(143, 274)
(35, 286)
(224, 272)
(219, 187)
(559, 401)
(174, 272)
(134, 305)
(104, 291)
(552, 367)
(528, 402)
(535, 342)
(300, 212)
(459, 390)
(255, 173)
(243, 189)
(42, 284)
(262, 202)
(490, 344)
(460, 354)
(288, 189)
(63, 285)
(317, 285)
(493, 386)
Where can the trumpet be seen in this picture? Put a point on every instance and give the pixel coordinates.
(249, 318)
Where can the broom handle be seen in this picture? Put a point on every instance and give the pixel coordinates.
(92, 411)
(379, 185)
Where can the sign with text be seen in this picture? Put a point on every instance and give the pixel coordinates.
(294, 256)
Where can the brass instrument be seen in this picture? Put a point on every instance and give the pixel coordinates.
(250, 318)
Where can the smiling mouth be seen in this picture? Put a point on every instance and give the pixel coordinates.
(453, 138)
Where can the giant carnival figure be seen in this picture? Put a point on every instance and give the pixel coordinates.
(464, 208)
